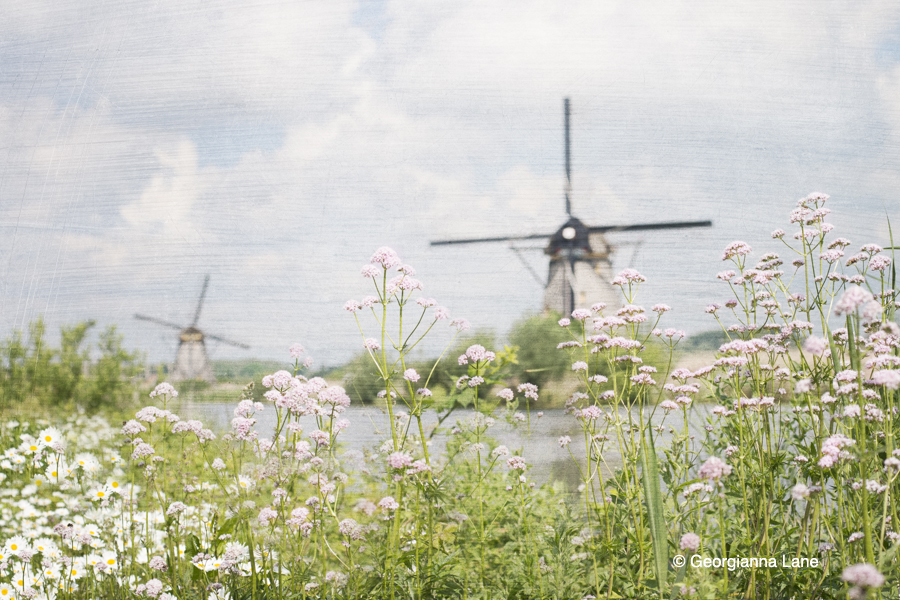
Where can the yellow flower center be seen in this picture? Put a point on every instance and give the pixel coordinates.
(115, 484)
(48, 438)
(13, 547)
(111, 561)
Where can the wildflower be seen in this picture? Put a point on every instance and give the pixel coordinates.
(815, 345)
(863, 577)
(736, 249)
(690, 542)
(564, 441)
(778, 234)
(475, 381)
(388, 504)
(803, 386)
(661, 308)
(879, 263)
(369, 272)
(852, 410)
(529, 389)
(459, 324)
(411, 375)
(668, 405)
(516, 463)
(852, 300)
(714, 468)
(580, 314)
(564, 322)
(628, 276)
(266, 516)
(579, 366)
(296, 350)
(399, 460)
(164, 389)
(799, 492)
(506, 394)
(371, 344)
(385, 257)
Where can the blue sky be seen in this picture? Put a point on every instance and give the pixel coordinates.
(275, 146)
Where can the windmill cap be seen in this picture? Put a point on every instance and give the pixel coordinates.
(191, 334)
(572, 236)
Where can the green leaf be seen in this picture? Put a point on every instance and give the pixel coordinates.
(653, 498)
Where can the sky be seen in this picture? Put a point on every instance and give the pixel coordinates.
(275, 145)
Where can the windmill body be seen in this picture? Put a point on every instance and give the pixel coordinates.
(192, 361)
(580, 269)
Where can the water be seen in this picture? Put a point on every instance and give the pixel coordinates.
(369, 428)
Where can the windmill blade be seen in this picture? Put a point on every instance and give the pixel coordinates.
(512, 238)
(647, 226)
(158, 321)
(200, 303)
(226, 341)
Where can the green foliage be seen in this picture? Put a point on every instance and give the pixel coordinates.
(705, 341)
(35, 375)
(536, 338)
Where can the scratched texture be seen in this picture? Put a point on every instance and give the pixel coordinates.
(274, 145)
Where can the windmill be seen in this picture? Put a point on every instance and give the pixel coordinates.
(191, 360)
(580, 258)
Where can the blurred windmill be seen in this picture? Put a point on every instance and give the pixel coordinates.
(191, 360)
(580, 257)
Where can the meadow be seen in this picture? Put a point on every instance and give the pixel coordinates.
(787, 491)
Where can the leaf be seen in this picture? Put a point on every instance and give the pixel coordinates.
(653, 498)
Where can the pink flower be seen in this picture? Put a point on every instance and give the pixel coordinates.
(369, 272)
(564, 322)
(459, 324)
(880, 263)
(516, 463)
(690, 542)
(815, 345)
(863, 575)
(714, 468)
(385, 257)
(888, 378)
(411, 375)
(854, 298)
(668, 405)
(628, 276)
(736, 249)
(579, 366)
(661, 308)
(505, 394)
(388, 504)
(399, 460)
(580, 314)
(296, 350)
(352, 306)
(266, 515)
(371, 344)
